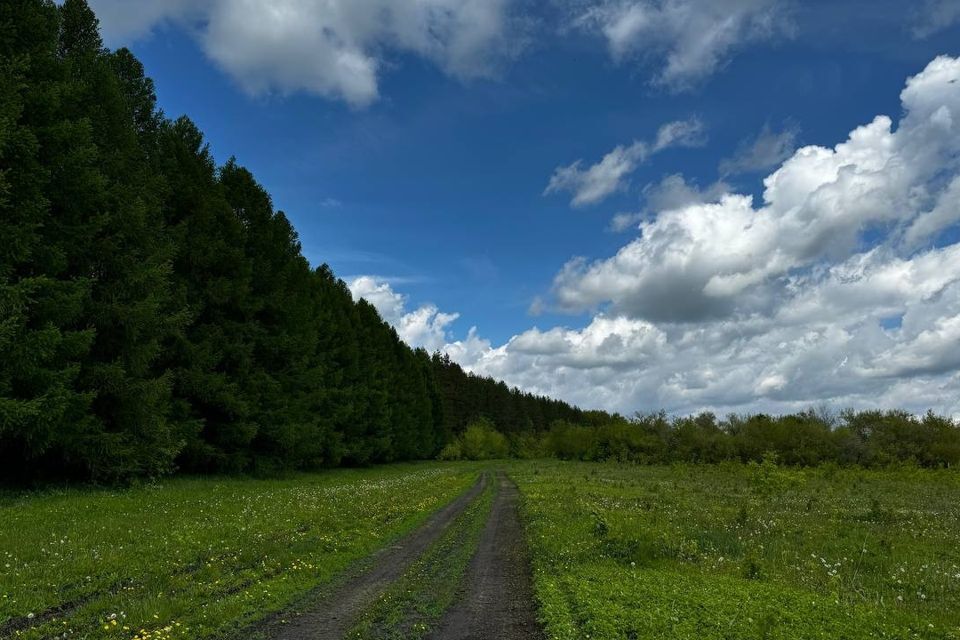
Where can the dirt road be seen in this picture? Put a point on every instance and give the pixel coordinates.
(332, 614)
(497, 602)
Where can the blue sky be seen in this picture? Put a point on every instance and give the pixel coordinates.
(415, 146)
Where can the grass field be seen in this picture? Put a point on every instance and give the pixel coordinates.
(196, 558)
(619, 552)
(733, 551)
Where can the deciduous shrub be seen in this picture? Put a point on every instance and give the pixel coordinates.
(866, 438)
(480, 441)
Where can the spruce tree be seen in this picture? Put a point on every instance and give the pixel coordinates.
(285, 338)
(43, 413)
(211, 359)
(105, 199)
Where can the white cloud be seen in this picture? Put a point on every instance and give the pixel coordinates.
(688, 39)
(681, 133)
(124, 21)
(945, 212)
(610, 174)
(593, 184)
(708, 260)
(764, 152)
(620, 222)
(424, 327)
(333, 48)
(727, 306)
(834, 351)
(934, 16)
(469, 350)
(672, 192)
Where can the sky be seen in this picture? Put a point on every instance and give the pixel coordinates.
(633, 205)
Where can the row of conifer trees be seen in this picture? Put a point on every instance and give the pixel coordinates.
(156, 312)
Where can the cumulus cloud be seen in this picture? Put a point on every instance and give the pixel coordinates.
(767, 150)
(425, 326)
(672, 192)
(944, 213)
(807, 353)
(687, 39)
(708, 260)
(730, 306)
(595, 183)
(333, 48)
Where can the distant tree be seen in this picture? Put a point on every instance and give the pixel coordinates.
(481, 441)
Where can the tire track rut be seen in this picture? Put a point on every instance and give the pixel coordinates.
(331, 616)
(498, 601)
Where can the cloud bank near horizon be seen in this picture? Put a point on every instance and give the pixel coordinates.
(842, 286)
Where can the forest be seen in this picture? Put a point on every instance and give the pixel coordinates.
(157, 315)
(157, 311)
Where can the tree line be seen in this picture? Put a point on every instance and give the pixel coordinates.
(809, 438)
(156, 311)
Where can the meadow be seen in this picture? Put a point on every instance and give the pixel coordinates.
(742, 551)
(198, 558)
(618, 551)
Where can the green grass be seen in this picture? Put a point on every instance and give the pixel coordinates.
(415, 603)
(733, 551)
(620, 551)
(197, 558)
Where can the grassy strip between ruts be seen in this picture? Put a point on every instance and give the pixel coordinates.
(197, 558)
(417, 601)
(738, 551)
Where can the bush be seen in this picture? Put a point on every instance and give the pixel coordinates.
(571, 442)
(453, 451)
(480, 441)
(527, 446)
